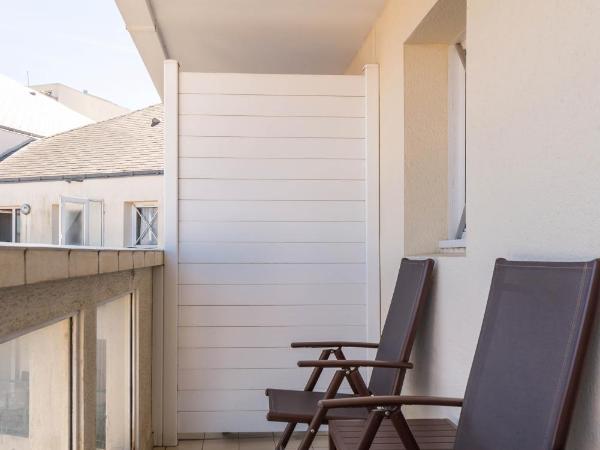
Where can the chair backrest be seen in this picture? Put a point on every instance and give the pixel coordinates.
(412, 288)
(527, 365)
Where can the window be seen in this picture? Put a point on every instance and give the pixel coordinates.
(457, 57)
(435, 59)
(114, 345)
(10, 225)
(144, 225)
(81, 221)
(35, 380)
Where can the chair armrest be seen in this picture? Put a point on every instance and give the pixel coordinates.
(350, 363)
(334, 344)
(389, 400)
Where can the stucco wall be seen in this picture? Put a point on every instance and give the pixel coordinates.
(37, 226)
(533, 130)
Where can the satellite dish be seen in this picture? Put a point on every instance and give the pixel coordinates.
(25, 209)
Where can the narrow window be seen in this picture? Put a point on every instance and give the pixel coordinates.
(457, 60)
(114, 386)
(10, 225)
(144, 225)
(35, 389)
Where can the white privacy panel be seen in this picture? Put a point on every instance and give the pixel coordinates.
(274, 169)
(272, 241)
(272, 252)
(268, 148)
(265, 211)
(272, 190)
(261, 336)
(271, 105)
(273, 294)
(266, 231)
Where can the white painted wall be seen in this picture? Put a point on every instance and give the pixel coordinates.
(272, 236)
(532, 180)
(115, 192)
(96, 108)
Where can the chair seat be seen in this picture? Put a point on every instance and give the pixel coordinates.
(300, 406)
(431, 434)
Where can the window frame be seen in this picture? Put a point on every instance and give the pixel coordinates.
(13, 222)
(86, 218)
(133, 238)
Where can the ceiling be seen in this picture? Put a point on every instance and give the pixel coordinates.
(249, 36)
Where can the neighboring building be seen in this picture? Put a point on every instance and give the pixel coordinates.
(98, 185)
(96, 108)
(26, 115)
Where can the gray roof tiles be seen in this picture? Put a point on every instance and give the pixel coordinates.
(123, 146)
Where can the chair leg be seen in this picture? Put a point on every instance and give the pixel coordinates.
(285, 437)
(331, 443)
(310, 385)
(319, 417)
(401, 426)
(371, 428)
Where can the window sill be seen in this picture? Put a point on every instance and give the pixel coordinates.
(453, 244)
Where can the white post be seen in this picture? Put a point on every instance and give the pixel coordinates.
(371, 73)
(171, 217)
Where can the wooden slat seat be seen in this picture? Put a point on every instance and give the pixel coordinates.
(431, 434)
(300, 406)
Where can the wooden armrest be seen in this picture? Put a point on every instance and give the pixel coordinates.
(350, 363)
(389, 400)
(334, 344)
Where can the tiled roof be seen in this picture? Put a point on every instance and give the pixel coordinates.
(123, 146)
(31, 112)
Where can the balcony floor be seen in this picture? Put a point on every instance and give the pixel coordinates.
(245, 441)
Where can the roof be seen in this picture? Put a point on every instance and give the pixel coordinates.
(123, 146)
(27, 111)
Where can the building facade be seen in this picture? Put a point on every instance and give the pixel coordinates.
(100, 185)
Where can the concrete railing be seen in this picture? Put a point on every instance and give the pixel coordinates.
(28, 264)
(40, 285)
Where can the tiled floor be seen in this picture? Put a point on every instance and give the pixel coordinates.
(243, 441)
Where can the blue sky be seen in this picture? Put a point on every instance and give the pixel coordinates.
(80, 43)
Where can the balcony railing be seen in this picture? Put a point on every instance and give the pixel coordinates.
(76, 339)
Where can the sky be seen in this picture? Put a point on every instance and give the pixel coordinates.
(80, 43)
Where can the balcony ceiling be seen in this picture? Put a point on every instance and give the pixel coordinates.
(249, 36)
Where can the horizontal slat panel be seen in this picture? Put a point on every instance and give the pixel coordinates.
(190, 337)
(272, 169)
(271, 190)
(271, 232)
(234, 400)
(227, 421)
(264, 316)
(249, 358)
(279, 84)
(271, 105)
(273, 294)
(258, 252)
(271, 273)
(263, 210)
(292, 378)
(245, 147)
(290, 127)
